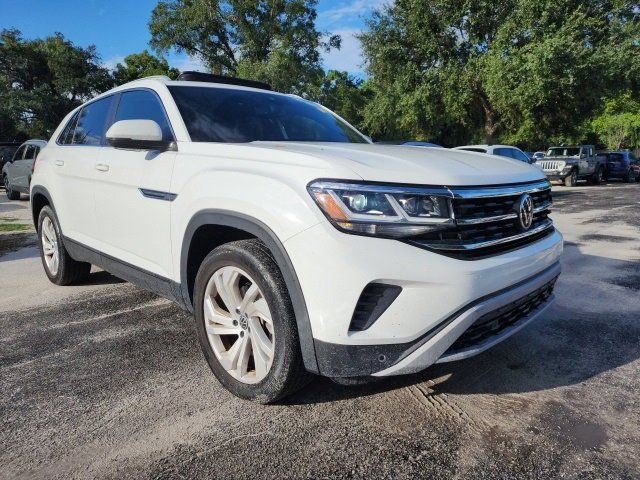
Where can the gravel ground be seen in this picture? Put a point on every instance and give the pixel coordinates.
(106, 380)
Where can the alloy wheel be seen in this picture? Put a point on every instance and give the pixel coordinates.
(239, 325)
(50, 249)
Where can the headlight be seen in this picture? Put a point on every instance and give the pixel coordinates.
(383, 210)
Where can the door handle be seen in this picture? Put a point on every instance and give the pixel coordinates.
(101, 167)
(59, 163)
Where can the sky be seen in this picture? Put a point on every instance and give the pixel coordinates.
(119, 27)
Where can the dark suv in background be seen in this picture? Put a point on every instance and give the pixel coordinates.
(622, 164)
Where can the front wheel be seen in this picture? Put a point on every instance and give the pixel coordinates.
(58, 264)
(571, 180)
(11, 194)
(245, 322)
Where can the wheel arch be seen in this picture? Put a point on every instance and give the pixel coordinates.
(232, 226)
(40, 198)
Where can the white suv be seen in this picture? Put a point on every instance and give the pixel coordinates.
(298, 244)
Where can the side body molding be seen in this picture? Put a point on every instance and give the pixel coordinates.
(258, 229)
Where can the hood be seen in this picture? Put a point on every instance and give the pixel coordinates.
(415, 165)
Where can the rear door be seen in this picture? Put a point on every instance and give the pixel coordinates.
(133, 191)
(74, 161)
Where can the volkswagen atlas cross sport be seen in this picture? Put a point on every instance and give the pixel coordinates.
(298, 245)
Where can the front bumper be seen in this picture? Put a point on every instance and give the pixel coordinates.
(439, 295)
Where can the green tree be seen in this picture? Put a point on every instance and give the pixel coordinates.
(520, 71)
(42, 80)
(618, 125)
(345, 95)
(143, 64)
(275, 41)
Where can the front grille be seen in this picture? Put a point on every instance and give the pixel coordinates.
(493, 323)
(551, 164)
(486, 221)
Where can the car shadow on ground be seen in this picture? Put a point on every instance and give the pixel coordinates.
(568, 345)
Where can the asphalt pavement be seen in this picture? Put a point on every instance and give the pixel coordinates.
(105, 380)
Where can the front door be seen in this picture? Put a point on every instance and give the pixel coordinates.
(133, 192)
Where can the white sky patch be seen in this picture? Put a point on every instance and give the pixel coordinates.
(110, 63)
(349, 57)
(185, 64)
(348, 10)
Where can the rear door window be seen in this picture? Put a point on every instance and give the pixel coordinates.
(91, 123)
(30, 153)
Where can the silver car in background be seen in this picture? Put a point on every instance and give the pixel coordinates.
(16, 173)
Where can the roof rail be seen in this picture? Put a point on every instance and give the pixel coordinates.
(212, 78)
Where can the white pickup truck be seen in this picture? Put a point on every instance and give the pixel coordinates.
(298, 244)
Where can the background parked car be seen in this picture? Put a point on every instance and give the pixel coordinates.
(568, 164)
(7, 149)
(501, 150)
(413, 143)
(16, 173)
(622, 164)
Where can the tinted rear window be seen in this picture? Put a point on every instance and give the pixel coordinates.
(231, 115)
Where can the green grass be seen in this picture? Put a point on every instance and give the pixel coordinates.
(13, 227)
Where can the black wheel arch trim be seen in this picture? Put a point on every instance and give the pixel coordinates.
(39, 190)
(261, 231)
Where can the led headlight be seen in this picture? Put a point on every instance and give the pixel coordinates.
(383, 210)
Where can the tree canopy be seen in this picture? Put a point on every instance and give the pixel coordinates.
(42, 80)
(523, 71)
(275, 41)
(143, 64)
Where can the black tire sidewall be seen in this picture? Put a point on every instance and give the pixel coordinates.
(286, 348)
(47, 212)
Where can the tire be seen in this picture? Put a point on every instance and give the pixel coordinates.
(245, 272)
(571, 180)
(630, 177)
(60, 268)
(11, 194)
(597, 176)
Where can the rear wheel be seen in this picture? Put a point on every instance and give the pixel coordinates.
(597, 176)
(58, 264)
(630, 177)
(11, 194)
(571, 180)
(245, 322)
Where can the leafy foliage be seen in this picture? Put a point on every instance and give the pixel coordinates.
(522, 71)
(143, 64)
(275, 41)
(619, 125)
(42, 80)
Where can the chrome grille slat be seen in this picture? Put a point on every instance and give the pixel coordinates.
(488, 224)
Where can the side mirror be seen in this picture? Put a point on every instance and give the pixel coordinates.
(583, 155)
(137, 135)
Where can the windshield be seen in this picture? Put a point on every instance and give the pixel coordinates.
(563, 152)
(231, 115)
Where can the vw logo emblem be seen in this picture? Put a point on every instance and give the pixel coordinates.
(244, 321)
(525, 211)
